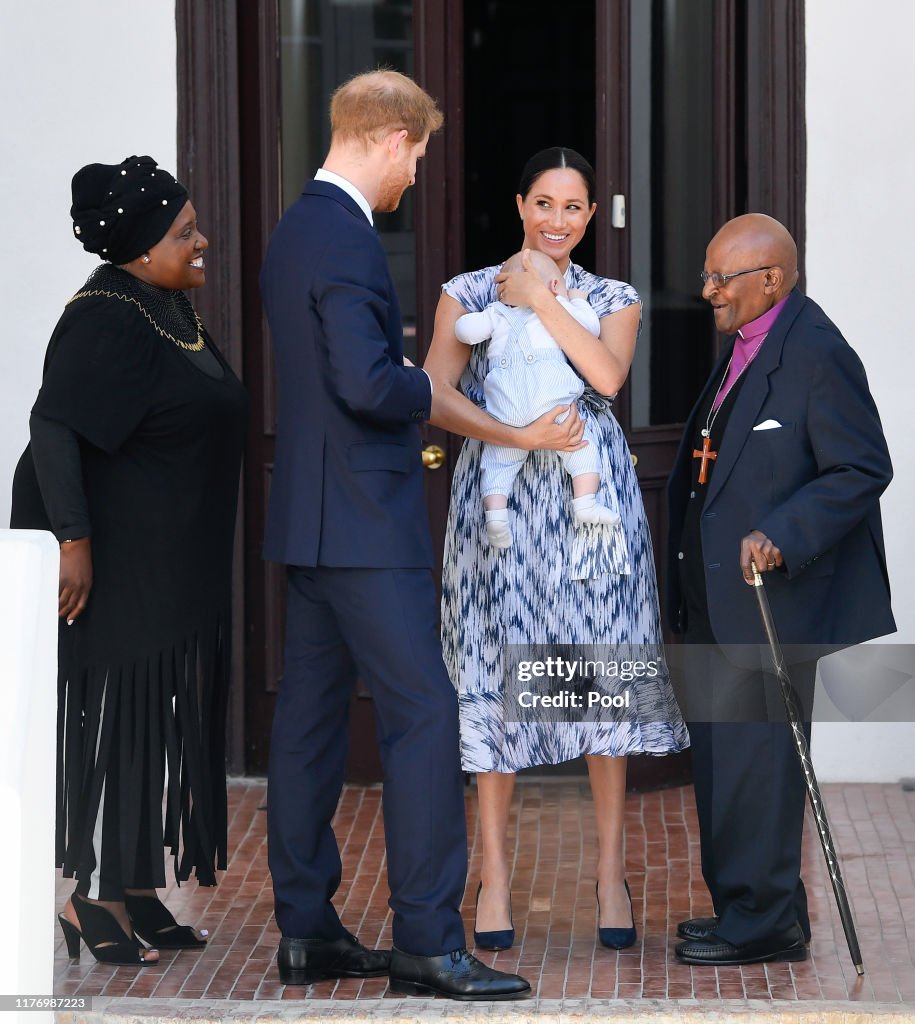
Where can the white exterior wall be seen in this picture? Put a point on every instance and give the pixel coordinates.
(29, 562)
(860, 258)
(81, 83)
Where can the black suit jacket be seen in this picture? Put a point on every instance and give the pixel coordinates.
(812, 485)
(347, 487)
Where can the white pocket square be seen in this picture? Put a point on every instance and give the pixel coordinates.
(767, 425)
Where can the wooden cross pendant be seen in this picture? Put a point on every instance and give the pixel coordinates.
(706, 454)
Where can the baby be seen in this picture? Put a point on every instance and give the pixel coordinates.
(528, 375)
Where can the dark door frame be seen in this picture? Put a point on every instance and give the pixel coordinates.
(438, 30)
(227, 139)
(208, 163)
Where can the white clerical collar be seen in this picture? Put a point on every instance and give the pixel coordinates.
(349, 188)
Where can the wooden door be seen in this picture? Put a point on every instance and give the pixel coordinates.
(293, 53)
(675, 102)
(593, 80)
(691, 109)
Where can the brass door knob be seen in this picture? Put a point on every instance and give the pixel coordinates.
(433, 456)
(635, 458)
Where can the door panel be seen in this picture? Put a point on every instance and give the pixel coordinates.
(670, 204)
(294, 53)
(512, 108)
(529, 84)
(670, 217)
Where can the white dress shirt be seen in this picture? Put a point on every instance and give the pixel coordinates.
(349, 188)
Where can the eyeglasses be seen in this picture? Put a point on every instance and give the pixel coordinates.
(720, 280)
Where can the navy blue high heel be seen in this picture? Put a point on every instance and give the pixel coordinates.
(503, 939)
(616, 938)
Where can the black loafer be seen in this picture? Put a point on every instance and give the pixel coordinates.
(697, 927)
(303, 961)
(457, 975)
(703, 927)
(715, 952)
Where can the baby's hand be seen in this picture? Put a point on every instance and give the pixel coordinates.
(577, 293)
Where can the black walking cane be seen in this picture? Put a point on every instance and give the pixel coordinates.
(813, 788)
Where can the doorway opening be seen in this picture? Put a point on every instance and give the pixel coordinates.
(529, 84)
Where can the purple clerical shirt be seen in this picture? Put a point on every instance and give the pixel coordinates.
(746, 345)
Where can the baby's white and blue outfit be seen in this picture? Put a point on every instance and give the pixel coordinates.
(527, 375)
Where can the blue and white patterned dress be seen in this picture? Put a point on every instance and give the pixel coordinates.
(557, 584)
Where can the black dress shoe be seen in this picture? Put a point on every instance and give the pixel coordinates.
(697, 927)
(703, 927)
(457, 975)
(303, 961)
(786, 945)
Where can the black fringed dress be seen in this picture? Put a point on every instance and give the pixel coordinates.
(144, 672)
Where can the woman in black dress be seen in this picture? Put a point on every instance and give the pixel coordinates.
(136, 444)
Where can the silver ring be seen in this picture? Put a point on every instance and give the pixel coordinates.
(771, 565)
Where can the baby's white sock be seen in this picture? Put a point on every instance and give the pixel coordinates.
(587, 510)
(497, 530)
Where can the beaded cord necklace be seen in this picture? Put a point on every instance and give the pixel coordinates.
(169, 312)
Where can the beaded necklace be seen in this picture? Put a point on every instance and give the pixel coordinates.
(120, 282)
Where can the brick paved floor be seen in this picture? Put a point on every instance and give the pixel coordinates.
(554, 907)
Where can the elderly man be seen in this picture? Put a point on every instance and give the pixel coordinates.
(782, 463)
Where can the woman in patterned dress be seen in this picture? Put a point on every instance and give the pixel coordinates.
(557, 584)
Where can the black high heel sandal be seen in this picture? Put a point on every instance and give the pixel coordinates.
(105, 938)
(153, 922)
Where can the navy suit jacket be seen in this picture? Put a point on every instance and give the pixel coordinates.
(347, 485)
(811, 485)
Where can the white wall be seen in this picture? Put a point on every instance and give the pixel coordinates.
(83, 82)
(29, 563)
(860, 259)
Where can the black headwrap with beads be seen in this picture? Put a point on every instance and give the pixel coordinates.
(121, 210)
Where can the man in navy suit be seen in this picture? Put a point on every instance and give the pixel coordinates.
(782, 464)
(348, 519)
